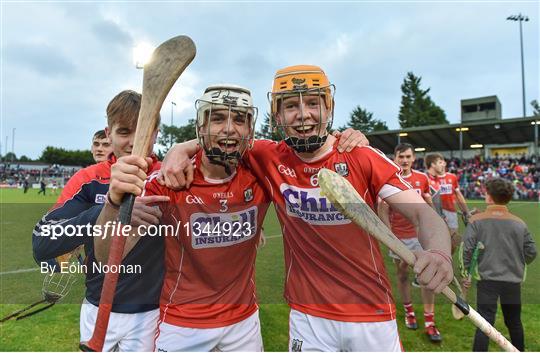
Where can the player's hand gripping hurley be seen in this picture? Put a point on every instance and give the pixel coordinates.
(346, 199)
(168, 62)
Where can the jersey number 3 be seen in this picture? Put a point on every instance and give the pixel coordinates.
(224, 206)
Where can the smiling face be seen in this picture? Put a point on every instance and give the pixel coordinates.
(225, 122)
(302, 106)
(303, 116)
(121, 138)
(227, 130)
(122, 116)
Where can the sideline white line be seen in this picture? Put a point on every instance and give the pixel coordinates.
(20, 271)
(274, 236)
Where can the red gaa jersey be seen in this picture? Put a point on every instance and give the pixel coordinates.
(448, 186)
(210, 258)
(401, 226)
(334, 270)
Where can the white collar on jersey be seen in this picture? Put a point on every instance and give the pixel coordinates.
(220, 181)
(315, 159)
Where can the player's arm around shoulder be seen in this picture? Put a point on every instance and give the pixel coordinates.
(176, 170)
(349, 138)
(434, 265)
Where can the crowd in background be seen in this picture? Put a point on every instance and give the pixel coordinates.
(472, 173)
(15, 175)
(523, 172)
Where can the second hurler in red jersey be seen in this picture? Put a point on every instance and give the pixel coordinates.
(329, 260)
(401, 226)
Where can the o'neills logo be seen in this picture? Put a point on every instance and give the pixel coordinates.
(309, 205)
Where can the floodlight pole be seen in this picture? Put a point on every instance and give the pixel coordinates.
(461, 144)
(6, 148)
(520, 18)
(536, 122)
(12, 145)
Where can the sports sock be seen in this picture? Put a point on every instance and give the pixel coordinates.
(429, 319)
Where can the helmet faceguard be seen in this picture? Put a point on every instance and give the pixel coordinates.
(302, 82)
(220, 111)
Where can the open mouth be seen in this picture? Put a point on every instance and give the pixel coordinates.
(228, 144)
(305, 129)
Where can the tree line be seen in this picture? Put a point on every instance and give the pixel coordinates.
(416, 109)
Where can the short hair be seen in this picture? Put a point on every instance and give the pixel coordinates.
(402, 147)
(500, 190)
(432, 158)
(100, 134)
(124, 109)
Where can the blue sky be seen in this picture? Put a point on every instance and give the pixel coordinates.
(61, 62)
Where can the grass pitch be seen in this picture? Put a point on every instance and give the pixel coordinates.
(57, 329)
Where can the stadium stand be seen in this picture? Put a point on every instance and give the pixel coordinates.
(476, 151)
(12, 175)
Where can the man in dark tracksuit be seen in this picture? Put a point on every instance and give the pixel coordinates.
(508, 246)
(42, 187)
(134, 316)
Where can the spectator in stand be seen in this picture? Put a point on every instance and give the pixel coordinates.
(473, 173)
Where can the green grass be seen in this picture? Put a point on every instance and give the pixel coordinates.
(57, 329)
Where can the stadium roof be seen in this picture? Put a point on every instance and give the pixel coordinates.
(446, 137)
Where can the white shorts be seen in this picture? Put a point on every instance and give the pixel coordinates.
(411, 243)
(242, 336)
(451, 219)
(126, 332)
(314, 334)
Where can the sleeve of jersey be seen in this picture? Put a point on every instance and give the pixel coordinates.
(455, 182)
(385, 175)
(152, 187)
(49, 237)
(425, 188)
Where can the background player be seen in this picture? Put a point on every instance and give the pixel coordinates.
(101, 146)
(208, 302)
(404, 157)
(325, 254)
(448, 189)
(134, 315)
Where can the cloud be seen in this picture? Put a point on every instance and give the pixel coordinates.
(110, 32)
(65, 61)
(44, 59)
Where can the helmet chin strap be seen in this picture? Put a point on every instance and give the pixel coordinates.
(216, 156)
(309, 145)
